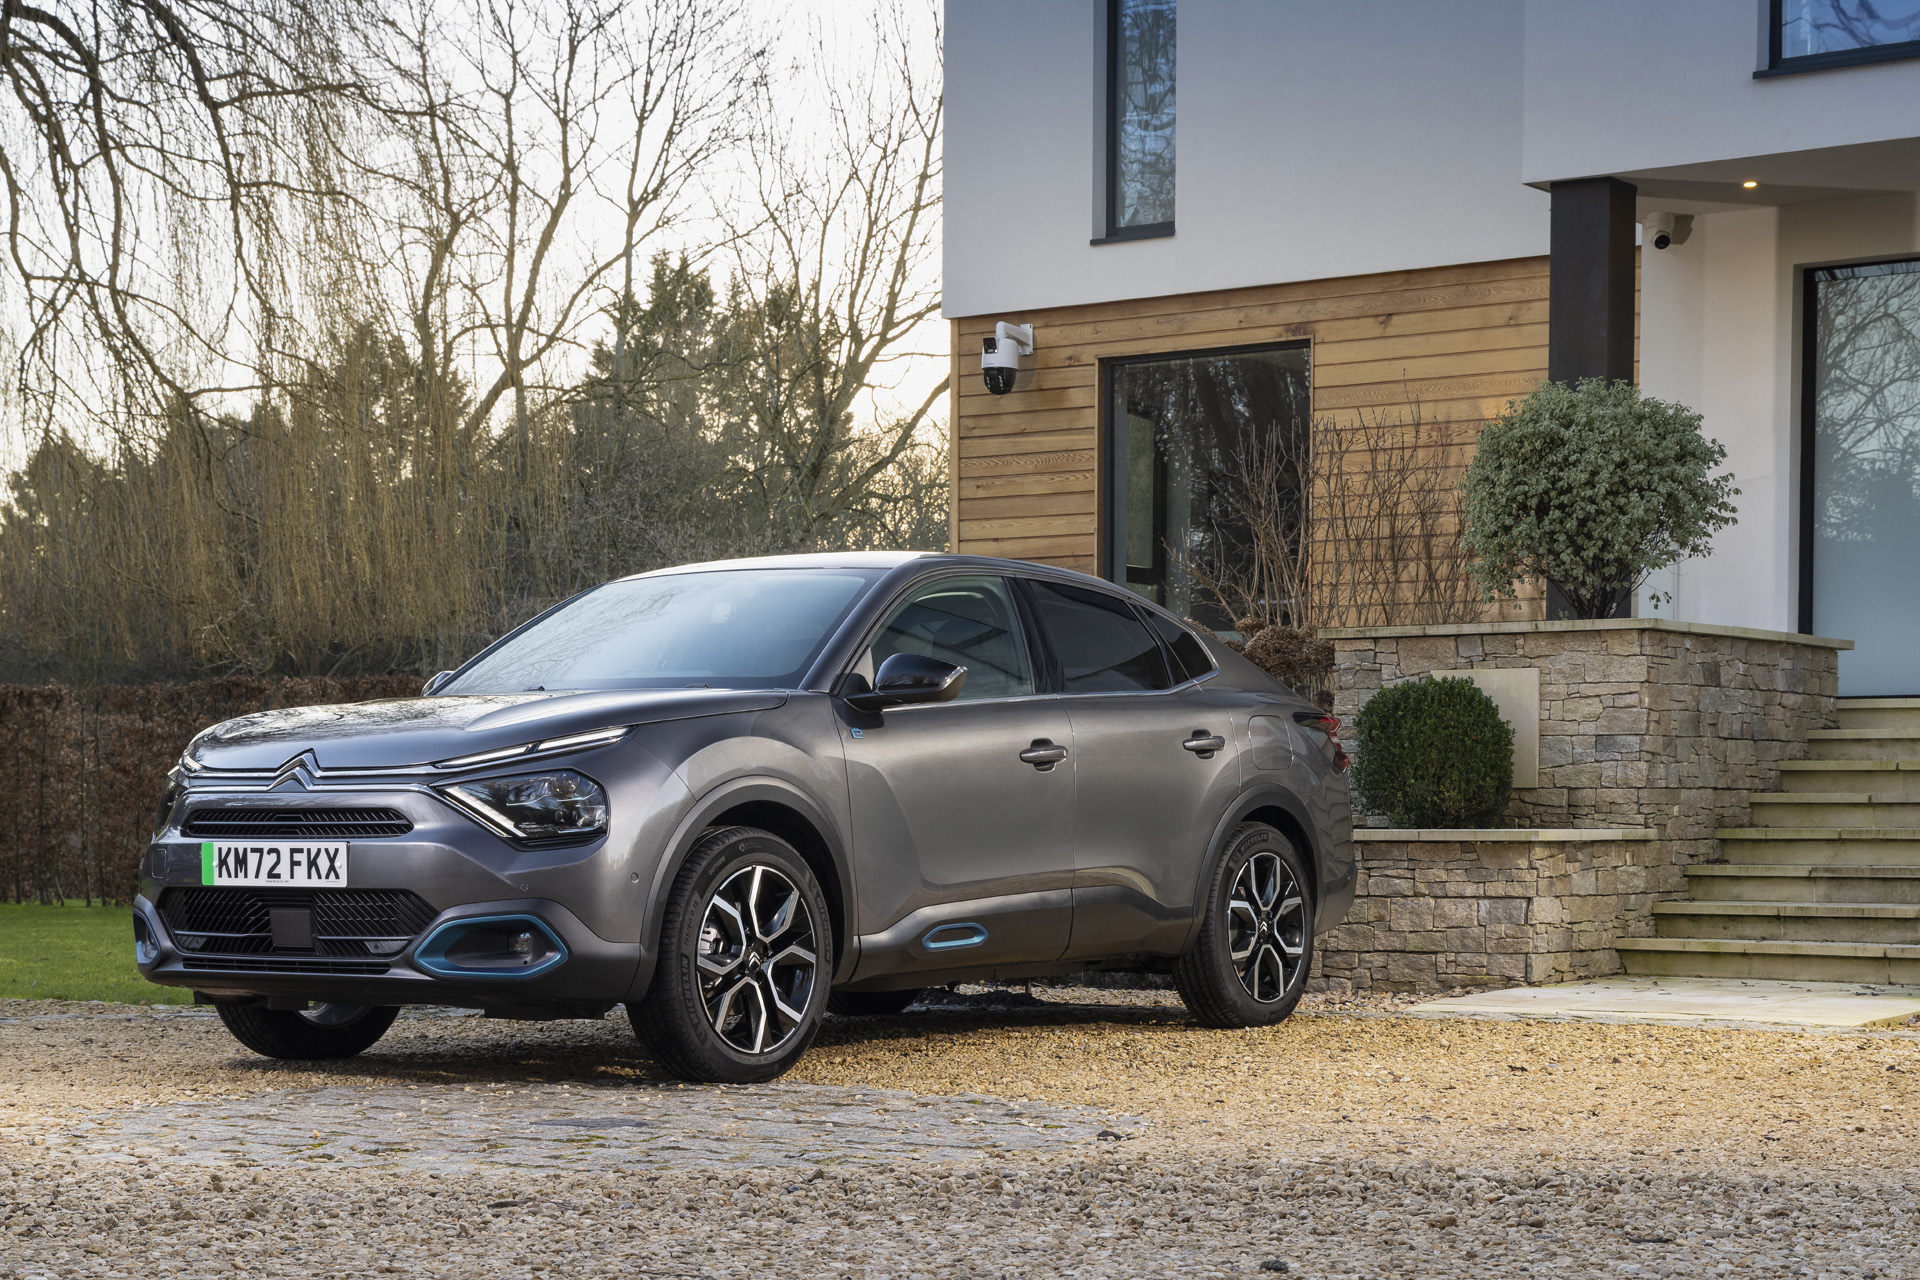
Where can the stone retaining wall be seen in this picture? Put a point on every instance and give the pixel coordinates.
(1643, 722)
(1441, 909)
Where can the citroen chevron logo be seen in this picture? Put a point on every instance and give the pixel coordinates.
(300, 770)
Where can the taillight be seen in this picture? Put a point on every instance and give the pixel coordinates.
(1328, 724)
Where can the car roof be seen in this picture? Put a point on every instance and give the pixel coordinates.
(877, 560)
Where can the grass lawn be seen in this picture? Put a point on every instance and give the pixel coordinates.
(74, 953)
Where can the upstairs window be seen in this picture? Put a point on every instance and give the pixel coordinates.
(1139, 118)
(1812, 35)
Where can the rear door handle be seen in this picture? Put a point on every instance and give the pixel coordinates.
(1204, 744)
(1044, 754)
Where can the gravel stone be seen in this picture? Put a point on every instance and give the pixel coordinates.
(1350, 1141)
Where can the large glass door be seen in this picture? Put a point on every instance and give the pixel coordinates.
(1861, 543)
(1203, 468)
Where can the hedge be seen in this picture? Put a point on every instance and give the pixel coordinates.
(82, 770)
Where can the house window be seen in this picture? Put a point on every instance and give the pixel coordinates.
(1813, 35)
(1861, 471)
(1139, 119)
(1202, 478)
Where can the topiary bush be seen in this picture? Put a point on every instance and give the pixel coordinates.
(1433, 753)
(1591, 487)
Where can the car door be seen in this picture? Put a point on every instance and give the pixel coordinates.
(1155, 766)
(962, 811)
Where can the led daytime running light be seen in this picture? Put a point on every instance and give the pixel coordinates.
(572, 742)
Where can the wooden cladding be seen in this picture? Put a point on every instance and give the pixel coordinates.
(1460, 341)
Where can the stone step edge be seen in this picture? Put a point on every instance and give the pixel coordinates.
(1849, 766)
(1877, 704)
(1818, 833)
(1835, 797)
(1862, 735)
(1804, 871)
(1800, 910)
(1770, 947)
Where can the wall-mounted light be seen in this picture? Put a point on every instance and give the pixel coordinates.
(1749, 184)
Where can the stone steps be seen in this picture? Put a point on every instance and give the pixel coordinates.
(1887, 922)
(1760, 958)
(1899, 714)
(1760, 882)
(1822, 846)
(1863, 744)
(1879, 777)
(1836, 809)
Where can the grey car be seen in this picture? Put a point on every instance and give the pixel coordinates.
(734, 796)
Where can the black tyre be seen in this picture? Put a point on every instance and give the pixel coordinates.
(745, 955)
(319, 1032)
(870, 1004)
(1249, 965)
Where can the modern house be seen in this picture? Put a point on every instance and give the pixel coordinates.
(1224, 218)
(1243, 229)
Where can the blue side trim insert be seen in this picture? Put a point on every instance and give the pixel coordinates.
(432, 954)
(952, 937)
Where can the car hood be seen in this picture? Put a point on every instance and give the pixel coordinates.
(397, 732)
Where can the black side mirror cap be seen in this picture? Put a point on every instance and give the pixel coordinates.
(906, 679)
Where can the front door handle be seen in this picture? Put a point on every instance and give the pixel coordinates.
(1044, 754)
(1204, 744)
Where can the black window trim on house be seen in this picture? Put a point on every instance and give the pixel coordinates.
(1114, 232)
(1808, 445)
(1111, 478)
(1779, 66)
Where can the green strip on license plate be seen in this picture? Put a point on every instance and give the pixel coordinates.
(206, 862)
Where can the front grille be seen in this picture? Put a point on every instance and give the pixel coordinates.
(283, 964)
(238, 823)
(237, 922)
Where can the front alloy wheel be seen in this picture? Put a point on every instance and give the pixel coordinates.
(746, 952)
(1249, 965)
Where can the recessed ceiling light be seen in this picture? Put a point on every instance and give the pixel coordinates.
(1749, 185)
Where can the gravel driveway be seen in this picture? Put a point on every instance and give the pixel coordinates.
(1090, 1133)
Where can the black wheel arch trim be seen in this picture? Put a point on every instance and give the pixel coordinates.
(728, 796)
(1250, 802)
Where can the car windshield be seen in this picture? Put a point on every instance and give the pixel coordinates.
(723, 629)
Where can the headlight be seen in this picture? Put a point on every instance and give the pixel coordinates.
(535, 806)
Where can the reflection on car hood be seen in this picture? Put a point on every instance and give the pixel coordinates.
(410, 731)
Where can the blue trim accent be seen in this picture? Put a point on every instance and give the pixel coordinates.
(968, 935)
(432, 954)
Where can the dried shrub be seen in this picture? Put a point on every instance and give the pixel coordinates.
(1294, 656)
(86, 768)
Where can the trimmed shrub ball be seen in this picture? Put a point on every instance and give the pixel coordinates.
(1433, 753)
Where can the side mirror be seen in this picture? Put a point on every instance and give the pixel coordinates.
(908, 678)
(433, 686)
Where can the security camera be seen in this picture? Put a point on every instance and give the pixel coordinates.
(1000, 355)
(1664, 229)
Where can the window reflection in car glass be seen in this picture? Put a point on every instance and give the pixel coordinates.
(966, 621)
(1187, 651)
(727, 629)
(1101, 645)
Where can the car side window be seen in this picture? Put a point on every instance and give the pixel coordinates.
(1189, 655)
(969, 621)
(1102, 646)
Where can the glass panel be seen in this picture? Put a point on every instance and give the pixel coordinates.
(1143, 113)
(1102, 646)
(1866, 472)
(966, 621)
(1809, 27)
(1188, 653)
(729, 629)
(1198, 434)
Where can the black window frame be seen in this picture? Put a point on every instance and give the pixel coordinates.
(1113, 232)
(1779, 66)
(1111, 477)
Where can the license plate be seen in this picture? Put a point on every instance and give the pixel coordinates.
(307, 862)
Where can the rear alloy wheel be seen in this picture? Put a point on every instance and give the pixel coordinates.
(745, 952)
(1249, 965)
(316, 1033)
(871, 1004)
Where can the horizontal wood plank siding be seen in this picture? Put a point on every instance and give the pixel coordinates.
(1459, 340)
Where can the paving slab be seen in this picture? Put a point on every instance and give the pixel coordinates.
(1694, 1001)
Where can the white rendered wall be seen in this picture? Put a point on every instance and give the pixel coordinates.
(1315, 140)
(1720, 331)
(1615, 86)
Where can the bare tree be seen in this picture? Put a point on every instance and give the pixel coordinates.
(834, 278)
